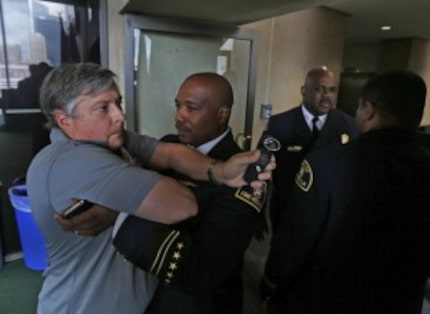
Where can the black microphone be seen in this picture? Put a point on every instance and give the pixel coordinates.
(268, 145)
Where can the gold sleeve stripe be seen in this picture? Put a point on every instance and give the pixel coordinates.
(165, 243)
(177, 233)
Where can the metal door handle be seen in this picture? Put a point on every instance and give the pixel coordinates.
(241, 139)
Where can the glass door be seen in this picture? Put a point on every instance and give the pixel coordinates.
(160, 54)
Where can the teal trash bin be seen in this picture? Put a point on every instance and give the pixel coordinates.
(32, 242)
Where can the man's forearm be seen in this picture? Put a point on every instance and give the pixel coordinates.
(197, 166)
(182, 159)
(164, 156)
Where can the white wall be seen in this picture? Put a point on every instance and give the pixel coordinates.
(291, 45)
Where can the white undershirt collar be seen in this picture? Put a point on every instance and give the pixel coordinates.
(309, 116)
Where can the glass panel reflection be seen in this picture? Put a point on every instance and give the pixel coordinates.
(163, 60)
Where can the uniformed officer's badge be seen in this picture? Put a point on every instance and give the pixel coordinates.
(254, 199)
(294, 148)
(305, 176)
(344, 138)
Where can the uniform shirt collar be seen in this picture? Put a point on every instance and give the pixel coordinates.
(309, 116)
(57, 135)
(207, 147)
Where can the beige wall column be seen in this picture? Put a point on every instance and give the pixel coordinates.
(290, 45)
(116, 39)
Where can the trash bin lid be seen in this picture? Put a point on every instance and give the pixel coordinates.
(19, 198)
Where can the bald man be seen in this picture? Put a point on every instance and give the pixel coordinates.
(314, 124)
(227, 221)
(203, 106)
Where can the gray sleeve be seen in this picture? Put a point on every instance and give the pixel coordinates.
(140, 146)
(99, 176)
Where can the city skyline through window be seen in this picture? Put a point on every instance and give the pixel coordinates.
(33, 32)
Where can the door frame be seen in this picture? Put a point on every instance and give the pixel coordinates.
(186, 27)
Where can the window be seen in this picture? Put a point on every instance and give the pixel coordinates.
(35, 36)
(34, 32)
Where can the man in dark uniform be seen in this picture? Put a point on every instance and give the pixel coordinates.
(203, 106)
(311, 126)
(372, 198)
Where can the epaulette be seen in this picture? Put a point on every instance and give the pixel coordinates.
(344, 138)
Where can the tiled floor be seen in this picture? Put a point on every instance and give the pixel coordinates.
(11, 296)
(19, 287)
(426, 307)
(253, 269)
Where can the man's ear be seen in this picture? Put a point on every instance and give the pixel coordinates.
(62, 119)
(224, 114)
(303, 90)
(369, 110)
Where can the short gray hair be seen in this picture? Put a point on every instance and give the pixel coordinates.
(63, 86)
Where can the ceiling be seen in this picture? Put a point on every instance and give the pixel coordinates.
(408, 18)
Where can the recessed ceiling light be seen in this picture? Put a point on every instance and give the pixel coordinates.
(386, 27)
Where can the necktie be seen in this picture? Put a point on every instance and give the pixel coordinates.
(315, 130)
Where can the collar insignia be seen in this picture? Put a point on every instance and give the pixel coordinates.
(344, 138)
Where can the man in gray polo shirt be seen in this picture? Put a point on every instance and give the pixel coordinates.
(86, 160)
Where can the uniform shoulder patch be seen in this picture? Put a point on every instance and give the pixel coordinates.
(305, 176)
(255, 200)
